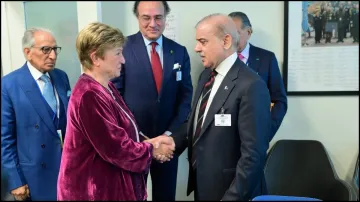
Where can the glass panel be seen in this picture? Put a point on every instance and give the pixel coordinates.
(61, 19)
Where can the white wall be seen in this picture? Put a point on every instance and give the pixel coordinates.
(12, 30)
(331, 120)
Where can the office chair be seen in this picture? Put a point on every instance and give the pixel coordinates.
(356, 179)
(303, 168)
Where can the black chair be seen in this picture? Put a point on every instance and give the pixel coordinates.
(356, 178)
(303, 168)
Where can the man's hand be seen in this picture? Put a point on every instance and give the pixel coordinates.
(21, 193)
(164, 148)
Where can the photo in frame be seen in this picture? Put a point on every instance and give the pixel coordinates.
(321, 48)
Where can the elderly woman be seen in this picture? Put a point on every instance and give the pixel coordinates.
(103, 158)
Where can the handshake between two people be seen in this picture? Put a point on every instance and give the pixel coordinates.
(163, 147)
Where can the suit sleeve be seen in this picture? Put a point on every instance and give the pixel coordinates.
(9, 155)
(180, 135)
(109, 139)
(184, 95)
(278, 96)
(68, 88)
(253, 128)
(180, 138)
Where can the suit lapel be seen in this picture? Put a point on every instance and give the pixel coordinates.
(61, 90)
(140, 53)
(197, 95)
(33, 93)
(254, 58)
(221, 95)
(168, 58)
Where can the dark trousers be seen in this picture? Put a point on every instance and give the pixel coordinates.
(318, 34)
(196, 193)
(163, 177)
(340, 34)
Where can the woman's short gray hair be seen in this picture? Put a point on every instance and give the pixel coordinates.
(28, 38)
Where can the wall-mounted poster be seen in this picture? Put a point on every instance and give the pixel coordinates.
(321, 47)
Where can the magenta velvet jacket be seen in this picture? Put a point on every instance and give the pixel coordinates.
(102, 158)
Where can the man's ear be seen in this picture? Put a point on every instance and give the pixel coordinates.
(27, 53)
(227, 41)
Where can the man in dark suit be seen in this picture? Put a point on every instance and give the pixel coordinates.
(34, 100)
(227, 131)
(318, 26)
(156, 85)
(264, 63)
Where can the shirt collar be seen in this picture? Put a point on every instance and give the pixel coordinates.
(246, 51)
(226, 65)
(35, 73)
(147, 41)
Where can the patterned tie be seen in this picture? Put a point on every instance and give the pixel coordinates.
(204, 100)
(48, 92)
(156, 66)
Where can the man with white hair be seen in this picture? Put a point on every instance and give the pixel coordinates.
(227, 131)
(34, 100)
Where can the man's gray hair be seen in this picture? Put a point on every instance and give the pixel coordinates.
(28, 38)
(225, 27)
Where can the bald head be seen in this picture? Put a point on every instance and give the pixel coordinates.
(217, 39)
(222, 25)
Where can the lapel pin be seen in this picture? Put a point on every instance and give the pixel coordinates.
(226, 88)
(171, 52)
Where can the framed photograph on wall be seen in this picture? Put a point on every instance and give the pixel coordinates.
(321, 48)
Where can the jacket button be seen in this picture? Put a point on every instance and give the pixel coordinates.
(42, 146)
(43, 165)
(37, 126)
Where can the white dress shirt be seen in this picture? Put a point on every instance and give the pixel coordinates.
(246, 53)
(222, 70)
(36, 74)
(158, 48)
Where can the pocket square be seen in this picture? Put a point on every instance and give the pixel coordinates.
(176, 66)
(68, 93)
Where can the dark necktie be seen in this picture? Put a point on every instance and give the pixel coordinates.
(156, 66)
(204, 100)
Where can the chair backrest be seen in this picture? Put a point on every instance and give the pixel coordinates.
(302, 168)
(356, 178)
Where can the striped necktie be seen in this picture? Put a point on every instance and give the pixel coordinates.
(203, 103)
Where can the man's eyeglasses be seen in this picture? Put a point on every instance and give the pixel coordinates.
(48, 49)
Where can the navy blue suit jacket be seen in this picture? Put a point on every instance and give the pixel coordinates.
(155, 113)
(30, 145)
(265, 64)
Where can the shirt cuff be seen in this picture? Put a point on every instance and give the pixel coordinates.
(168, 133)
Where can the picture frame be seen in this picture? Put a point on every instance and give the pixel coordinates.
(312, 68)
